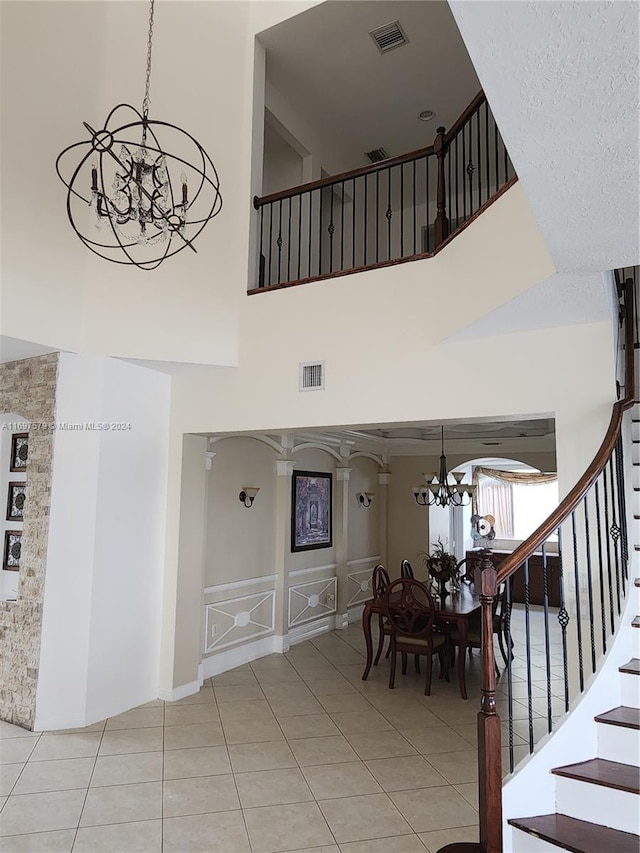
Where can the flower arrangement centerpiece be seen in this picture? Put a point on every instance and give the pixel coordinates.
(442, 568)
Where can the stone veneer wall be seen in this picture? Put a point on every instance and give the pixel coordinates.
(28, 388)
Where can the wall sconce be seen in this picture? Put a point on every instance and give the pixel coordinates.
(365, 499)
(248, 495)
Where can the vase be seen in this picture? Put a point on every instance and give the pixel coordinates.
(443, 592)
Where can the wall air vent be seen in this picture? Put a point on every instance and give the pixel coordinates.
(389, 36)
(376, 155)
(311, 376)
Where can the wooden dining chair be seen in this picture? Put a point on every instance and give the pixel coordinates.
(409, 609)
(474, 636)
(405, 570)
(380, 582)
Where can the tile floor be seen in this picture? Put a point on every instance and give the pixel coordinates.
(290, 753)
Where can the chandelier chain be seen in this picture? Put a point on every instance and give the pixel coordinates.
(146, 102)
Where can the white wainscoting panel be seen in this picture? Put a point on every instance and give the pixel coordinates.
(359, 587)
(312, 600)
(236, 620)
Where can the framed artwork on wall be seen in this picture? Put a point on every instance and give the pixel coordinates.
(19, 451)
(12, 549)
(15, 501)
(311, 511)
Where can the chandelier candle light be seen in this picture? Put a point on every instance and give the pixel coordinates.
(149, 214)
(439, 491)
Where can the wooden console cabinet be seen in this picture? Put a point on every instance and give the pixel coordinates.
(536, 593)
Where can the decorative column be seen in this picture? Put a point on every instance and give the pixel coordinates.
(342, 545)
(284, 470)
(384, 478)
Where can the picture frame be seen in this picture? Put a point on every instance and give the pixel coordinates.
(12, 549)
(311, 510)
(19, 451)
(16, 497)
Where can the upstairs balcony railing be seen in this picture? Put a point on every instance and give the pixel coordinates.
(400, 209)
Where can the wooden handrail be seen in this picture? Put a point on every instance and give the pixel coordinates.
(260, 201)
(573, 498)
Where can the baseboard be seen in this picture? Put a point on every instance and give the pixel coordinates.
(312, 629)
(172, 694)
(245, 653)
(355, 613)
(52, 724)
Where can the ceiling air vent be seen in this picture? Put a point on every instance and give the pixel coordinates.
(311, 376)
(376, 155)
(389, 36)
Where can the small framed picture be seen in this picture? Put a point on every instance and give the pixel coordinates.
(15, 501)
(19, 451)
(12, 549)
(310, 511)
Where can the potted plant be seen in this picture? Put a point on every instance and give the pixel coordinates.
(442, 568)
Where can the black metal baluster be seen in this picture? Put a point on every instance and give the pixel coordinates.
(506, 163)
(389, 214)
(479, 157)
(300, 205)
(456, 172)
(614, 531)
(470, 169)
(402, 209)
(260, 255)
(495, 142)
(353, 227)
(464, 188)
(448, 155)
(608, 543)
(486, 142)
(603, 615)
(563, 621)
(527, 639)
(366, 205)
(509, 645)
(592, 626)
(289, 243)
(576, 577)
(427, 165)
(331, 229)
(321, 193)
(270, 238)
(310, 228)
(415, 204)
(547, 640)
(342, 226)
(279, 242)
(622, 511)
(377, 216)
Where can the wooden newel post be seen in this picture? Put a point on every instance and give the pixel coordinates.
(441, 225)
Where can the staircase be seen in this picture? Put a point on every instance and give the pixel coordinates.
(598, 800)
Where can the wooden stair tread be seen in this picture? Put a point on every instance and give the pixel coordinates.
(632, 667)
(628, 718)
(578, 836)
(636, 622)
(599, 771)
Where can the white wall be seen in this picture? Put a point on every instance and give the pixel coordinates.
(101, 622)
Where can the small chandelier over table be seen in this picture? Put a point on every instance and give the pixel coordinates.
(440, 491)
(151, 186)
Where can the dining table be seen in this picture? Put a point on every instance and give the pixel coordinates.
(455, 610)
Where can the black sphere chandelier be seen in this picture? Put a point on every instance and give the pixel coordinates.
(140, 209)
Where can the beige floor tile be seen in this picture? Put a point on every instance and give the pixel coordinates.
(139, 718)
(397, 844)
(433, 841)
(206, 761)
(60, 841)
(256, 731)
(295, 707)
(246, 757)
(331, 686)
(277, 828)
(469, 791)
(309, 725)
(459, 766)
(245, 711)
(66, 746)
(326, 848)
(435, 739)
(198, 734)
(61, 775)
(205, 694)
(235, 678)
(287, 690)
(223, 832)
(322, 750)
(380, 745)
(340, 780)
(361, 722)
(187, 715)
(136, 837)
(340, 702)
(363, 818)
(435, 808)
(199, 795)
(127, 769)
(8, 776)
(131, 740)
(411, 716)
(3, 800)
(41, 812)
(16, 750)
(83, 730)
(7, 730)
(238, 693)
(289, 676)
(272, 787)
(122, 803)
(405, 774)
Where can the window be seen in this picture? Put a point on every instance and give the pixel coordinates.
(518, 508)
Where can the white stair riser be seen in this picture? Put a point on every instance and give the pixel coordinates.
(616, 743)
(630, 690)
(635, 643)
(522, 842)
(598, 804)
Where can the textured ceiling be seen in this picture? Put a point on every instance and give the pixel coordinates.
(563, 82)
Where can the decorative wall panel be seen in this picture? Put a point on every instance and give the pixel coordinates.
(359, 587)
(312, 600)
(236, 620)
